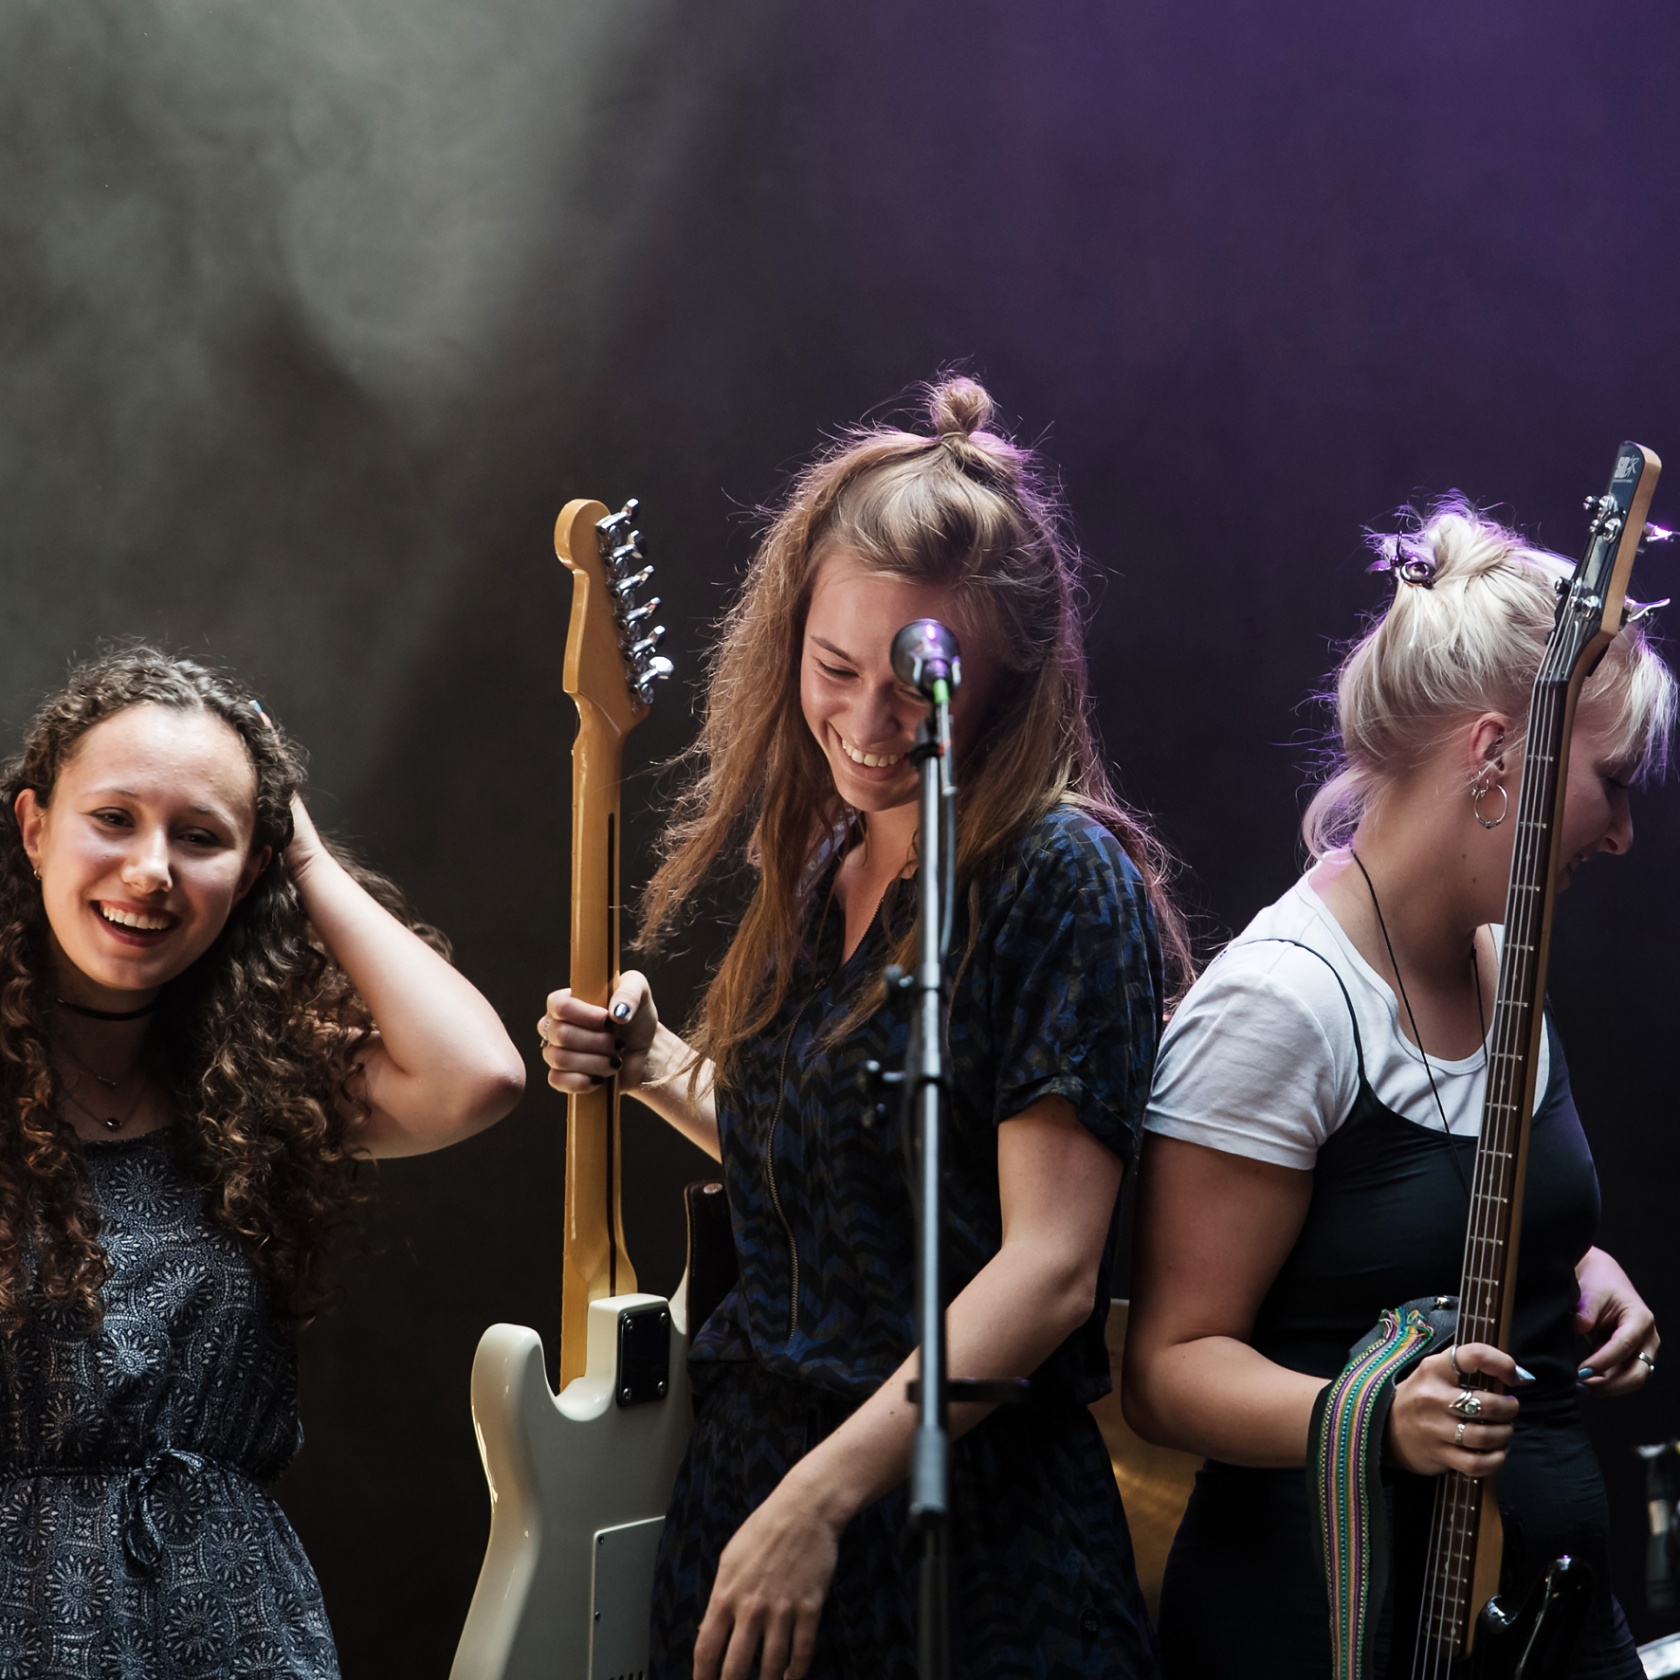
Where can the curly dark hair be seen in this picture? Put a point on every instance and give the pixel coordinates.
(257, 1042)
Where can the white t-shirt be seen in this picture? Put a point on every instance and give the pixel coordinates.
(1259, 1059)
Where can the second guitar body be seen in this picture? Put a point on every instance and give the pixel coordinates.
(578, 1486)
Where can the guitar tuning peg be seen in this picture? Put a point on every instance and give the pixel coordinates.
(622, 554)
(640, 651)
(648, 673)
(637, 614)
(609, 526)
(1643, 612)
(625, 587)
(1657, 534)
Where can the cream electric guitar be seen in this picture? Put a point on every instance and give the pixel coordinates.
(579, 1480)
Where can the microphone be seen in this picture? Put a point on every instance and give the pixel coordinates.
(925, 653)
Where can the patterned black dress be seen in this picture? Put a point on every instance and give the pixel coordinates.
(135, 1536)
(1061, 996)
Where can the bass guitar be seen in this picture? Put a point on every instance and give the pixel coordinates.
(579, 1479)
(1460, 1625)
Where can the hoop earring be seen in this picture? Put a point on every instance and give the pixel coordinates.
(1479, 792)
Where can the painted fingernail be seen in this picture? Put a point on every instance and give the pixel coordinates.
(597, 1079)
(621, 1012)
(617, 1062)
(1586, 1371)
(1525, 1376)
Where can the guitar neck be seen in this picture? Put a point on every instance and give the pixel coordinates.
(1488, 1279)
(1463, 1565)
(595, 1261)
(1462, 1570)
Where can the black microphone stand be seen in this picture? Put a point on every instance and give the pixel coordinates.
(925, 658)
(925, 1105)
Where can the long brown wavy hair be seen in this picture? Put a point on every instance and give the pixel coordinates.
(257, 1042)
(966, 509)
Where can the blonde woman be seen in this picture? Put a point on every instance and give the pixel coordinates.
(787, 1549)
(1313, 1124)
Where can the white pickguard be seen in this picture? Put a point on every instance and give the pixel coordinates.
(578, 1491)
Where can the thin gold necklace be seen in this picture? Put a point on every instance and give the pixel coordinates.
(110, 1122)
(92, 1072)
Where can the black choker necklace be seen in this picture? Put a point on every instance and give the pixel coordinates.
(93, 1014)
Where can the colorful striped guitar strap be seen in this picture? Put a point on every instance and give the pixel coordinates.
(1345, 1465)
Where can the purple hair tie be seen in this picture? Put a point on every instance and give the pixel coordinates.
(1404, 567)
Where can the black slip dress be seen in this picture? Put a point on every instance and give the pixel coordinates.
(1242, 1594)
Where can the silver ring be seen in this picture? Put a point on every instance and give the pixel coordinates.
(1458, 1439)
(1466, 1405)
(1452, 1357)
(1648, 1360)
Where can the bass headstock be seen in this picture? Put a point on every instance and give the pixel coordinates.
(612, 657)
(1592, 605)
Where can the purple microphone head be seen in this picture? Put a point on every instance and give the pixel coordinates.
(924, 653)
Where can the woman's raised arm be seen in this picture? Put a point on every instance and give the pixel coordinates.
(442, 1066)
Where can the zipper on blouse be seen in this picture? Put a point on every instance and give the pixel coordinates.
(770, 1167)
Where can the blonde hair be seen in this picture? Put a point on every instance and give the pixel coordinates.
(1465, 632)
(964, 508)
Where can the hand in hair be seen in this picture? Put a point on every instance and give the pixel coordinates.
(441, 1066)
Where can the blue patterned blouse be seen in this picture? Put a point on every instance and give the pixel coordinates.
(1061, 996)
(135, 1536)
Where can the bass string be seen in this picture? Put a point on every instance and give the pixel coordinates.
(1457, 1500)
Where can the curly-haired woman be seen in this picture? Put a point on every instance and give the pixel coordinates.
(786, 1542)
(206, 1019)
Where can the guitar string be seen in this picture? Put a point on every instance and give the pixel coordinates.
(1548, 714)
(1456, 1503)
(1535, 824)
(1458, 1498)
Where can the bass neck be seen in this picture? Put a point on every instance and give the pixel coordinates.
(1465, 1550)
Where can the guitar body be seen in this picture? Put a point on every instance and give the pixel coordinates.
(580, 1480)
(1530, 1618)
(578, 1490)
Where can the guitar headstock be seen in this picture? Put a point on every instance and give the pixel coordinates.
(1593, 603)
(612, 657)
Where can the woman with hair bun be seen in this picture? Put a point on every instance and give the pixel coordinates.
(1313, 1124)
(787, 1545)
(207, 1018)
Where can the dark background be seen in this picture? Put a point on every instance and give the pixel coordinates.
(313, 314)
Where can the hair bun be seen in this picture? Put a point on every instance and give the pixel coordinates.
(959, 407)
